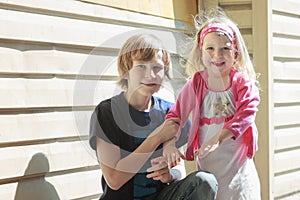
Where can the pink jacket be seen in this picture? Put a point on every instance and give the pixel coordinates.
(246, 97)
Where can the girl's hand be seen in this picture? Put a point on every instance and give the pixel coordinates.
(172, 155)
(160, 170)
(212, 144)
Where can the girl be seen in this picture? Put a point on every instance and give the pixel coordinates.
(222, 97)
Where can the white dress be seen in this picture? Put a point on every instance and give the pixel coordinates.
(236, 173)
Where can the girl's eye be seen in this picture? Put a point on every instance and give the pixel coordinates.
(210, 48)
(226, 48)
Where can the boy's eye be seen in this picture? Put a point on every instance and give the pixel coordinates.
(141, 66)
(157, 68)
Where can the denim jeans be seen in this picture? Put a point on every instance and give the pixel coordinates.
(198, 185)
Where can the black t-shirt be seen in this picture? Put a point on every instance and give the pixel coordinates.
(116, 122)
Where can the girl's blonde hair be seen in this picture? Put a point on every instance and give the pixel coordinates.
(140, 47)
(243, 62)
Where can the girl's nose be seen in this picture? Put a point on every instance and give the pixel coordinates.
(218, 53)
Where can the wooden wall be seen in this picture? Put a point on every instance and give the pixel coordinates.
(286, 76)
(272, 33)
(57, 61)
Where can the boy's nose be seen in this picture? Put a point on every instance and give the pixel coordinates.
(149, 73)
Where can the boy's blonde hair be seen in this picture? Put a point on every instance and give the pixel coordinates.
(243, 61)
(141, 47)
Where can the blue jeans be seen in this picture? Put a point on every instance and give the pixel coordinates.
(198, 185)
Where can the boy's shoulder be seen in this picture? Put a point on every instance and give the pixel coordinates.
(162, 104)
(107, 104)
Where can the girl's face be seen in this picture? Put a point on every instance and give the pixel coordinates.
(145, 77)
(217, 53)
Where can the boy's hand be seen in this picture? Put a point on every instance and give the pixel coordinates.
(169, 129)
(159, 170)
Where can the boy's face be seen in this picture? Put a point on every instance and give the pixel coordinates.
(145, 77)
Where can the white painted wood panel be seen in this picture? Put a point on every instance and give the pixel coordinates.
(77, 9)
(66, 186)
(54, 92)
(77, 185)
(44, 158)
(54, 60)
(43, 46)
(286, 184)
(286, 92)
(234, 2)
(287, 6)
(286, 70)
(54, 29)
(285, 25)
(43, 126)
(286, 138)
(286, 48)
(67, 31)
(287, 161)
(288, 115)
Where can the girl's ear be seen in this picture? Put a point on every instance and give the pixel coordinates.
(236, 53)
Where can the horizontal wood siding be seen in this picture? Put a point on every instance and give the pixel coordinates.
(57, 61)
(286, 71)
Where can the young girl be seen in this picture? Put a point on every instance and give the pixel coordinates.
(222, 97)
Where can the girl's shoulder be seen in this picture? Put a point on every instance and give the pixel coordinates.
(200, 76)
(238, 76)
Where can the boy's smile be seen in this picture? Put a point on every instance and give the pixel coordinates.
(145, 77)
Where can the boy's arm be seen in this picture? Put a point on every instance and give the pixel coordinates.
(117, 171)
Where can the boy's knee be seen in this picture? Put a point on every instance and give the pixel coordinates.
(205, 179)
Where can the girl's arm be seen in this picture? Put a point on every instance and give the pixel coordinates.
(164, 173)
(186, 102)
(117, 171)
(247, 100)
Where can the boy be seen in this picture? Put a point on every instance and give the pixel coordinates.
(127, 132)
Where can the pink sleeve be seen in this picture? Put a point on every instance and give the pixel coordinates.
(246, 99)
(185, 102)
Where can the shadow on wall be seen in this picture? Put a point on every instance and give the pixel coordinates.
(34, 186)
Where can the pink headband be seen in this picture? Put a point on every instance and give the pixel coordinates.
(217, 27)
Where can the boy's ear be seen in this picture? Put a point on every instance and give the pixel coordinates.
(125, 76)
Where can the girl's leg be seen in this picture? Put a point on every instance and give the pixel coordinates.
(198, 185)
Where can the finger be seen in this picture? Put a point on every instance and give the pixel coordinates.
(153, 168)
(159, 174)
(182, 155)
(157, 160)
(151, 175)
(157, 166)
(176, 158)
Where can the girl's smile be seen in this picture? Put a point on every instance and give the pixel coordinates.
(217, 53)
